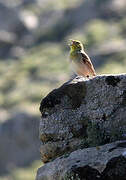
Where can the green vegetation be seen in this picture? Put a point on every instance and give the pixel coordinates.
(29, 79)
(114, 64)
(28, 173)
(53, 5)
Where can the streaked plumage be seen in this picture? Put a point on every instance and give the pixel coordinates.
(80, 60)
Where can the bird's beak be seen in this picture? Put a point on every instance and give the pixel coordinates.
(70, 42)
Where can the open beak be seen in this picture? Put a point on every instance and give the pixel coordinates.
(70, 42)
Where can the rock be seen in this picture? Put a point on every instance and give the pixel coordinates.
(29, 19)
(83, 113)
(10, 24)
(85, 172)
(7, 37)
(12, 29)
(108, 162)
(19, 141)
(17, 3)
(115, 169)
(117, 6)
(65, 20)
(113, 8)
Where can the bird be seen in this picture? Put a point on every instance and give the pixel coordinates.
(80, 60)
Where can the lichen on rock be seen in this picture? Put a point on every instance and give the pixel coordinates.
(91, 112)
(82, 113)
(104, 163)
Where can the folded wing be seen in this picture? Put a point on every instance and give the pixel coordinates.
(87, 62)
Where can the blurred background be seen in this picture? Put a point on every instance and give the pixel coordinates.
(34, 60)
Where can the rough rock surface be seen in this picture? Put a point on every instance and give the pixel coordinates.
(83, 113)
(108, 162)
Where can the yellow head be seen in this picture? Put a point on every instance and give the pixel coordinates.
(75, 45)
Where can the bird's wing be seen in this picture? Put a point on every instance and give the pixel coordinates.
(86, 60)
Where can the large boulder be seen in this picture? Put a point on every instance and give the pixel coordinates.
(113, 8)
(77, 120)
(12, 29)
(83, 113)
(19, 141)
(107, 162)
